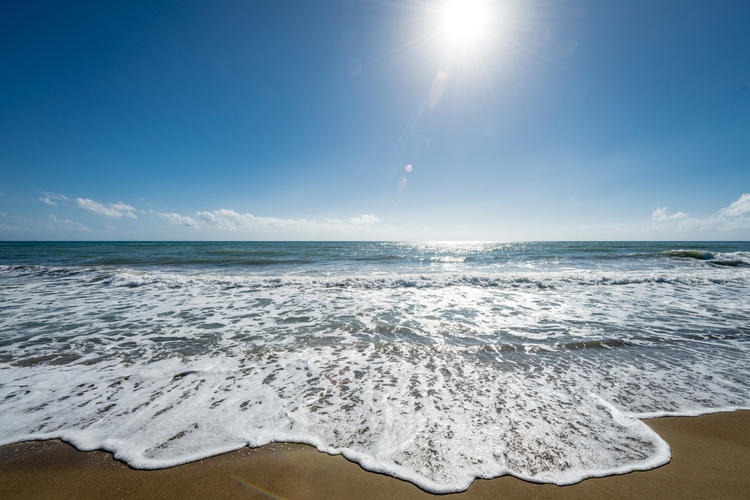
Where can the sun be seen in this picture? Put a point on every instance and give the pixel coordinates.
(465, 22)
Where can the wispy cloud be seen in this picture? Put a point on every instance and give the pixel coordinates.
(49, 225)
(48, 197)
(731, 218)
(112, 210)
(661, 214)
(67, 224)
(179, 220)
(12, 229)
(234, 221)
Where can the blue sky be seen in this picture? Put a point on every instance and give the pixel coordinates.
(564, 119)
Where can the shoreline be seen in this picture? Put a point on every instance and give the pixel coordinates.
(710, 459)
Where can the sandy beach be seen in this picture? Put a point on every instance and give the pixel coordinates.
(710, 459)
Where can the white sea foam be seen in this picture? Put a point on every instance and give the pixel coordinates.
(510, 280)
(437, 423)
(436, 378)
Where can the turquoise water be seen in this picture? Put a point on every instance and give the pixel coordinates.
(434, 362)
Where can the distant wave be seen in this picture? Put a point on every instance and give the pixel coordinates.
(245, 251)
(540, 281)
(377, 258)
(119, 277)
(689, 254)
(717, 259)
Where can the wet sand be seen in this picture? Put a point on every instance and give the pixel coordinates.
(710, 460)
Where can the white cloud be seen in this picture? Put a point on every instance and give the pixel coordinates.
(233, 221)
(113, 210)
(179, 220)
(208, 217)
(98, 208)
(737, 208)
(365, 220)
(48, 197)
(122, 207)
(661, 214)
(731, 218)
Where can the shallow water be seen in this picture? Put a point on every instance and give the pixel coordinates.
(437, 363)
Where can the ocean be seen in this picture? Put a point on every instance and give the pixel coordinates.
(437, 363)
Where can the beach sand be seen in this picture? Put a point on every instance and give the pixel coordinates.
(710, 459)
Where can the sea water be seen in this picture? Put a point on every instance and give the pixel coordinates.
(437, 363)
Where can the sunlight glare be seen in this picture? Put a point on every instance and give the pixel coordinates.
(465, 21)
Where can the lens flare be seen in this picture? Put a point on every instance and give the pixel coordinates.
(257, 488)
